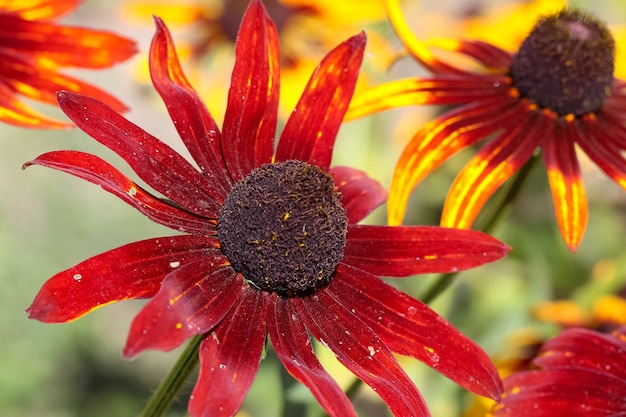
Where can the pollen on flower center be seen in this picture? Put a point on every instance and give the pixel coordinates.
(284, 228)
(566, 63)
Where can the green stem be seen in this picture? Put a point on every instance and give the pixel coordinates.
(491, 221)
(165, 394)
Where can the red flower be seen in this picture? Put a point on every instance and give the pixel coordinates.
(270, 243)
(33, 49)
(555, 93)
(582, 373)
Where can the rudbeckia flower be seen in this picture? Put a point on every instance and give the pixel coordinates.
(306, 29)
(556, 93)
(32, 51)
(581, 373)
(270, 243)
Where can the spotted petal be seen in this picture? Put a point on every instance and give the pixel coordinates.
(401, 251)
(95, 170)
(310, 132)
(252, 110)
(230, 357)
(191, 118)
(293, 347)
(155, 162)
(360, 194)
(135, 270)
(360, 349)
(410, 327)
(568, 191)
(192, 300)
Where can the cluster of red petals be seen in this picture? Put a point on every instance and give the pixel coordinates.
(487, 105)
(582, 374)
(191, 285)
(32, 51)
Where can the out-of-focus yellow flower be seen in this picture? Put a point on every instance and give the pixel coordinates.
(307, 28)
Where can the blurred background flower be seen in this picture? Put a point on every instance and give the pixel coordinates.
(307, 30)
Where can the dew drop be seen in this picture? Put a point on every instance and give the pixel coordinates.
(222, 366)
(77, 277)
(175, 264)
(371, 350)
(412, 310)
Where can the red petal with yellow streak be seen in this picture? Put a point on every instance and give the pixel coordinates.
(494, 164)
(568, 192)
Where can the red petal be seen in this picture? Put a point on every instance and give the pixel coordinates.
(155, 162)
(562, 393)
(310, 132)
(360, 194)
(407, 250)
(585, 348)
(593, 139)
(193, 121)
(93, 169)
(495, 163)
(64, 46)
(442, 138)
(230, 357)
(361, 350)
(192, 300)
(135, 270)
(250, 120)
(292, 346)
(568, 191)
(411, 328)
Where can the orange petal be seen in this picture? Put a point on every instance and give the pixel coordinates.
(38, 9)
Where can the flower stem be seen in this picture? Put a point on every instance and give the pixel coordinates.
(165, 394)
(490, 222)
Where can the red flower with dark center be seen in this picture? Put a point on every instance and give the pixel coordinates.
(271, 244)
(33, 49)
(555, 93)
(582, 374)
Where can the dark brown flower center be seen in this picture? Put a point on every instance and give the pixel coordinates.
(566, 63)
(284, 228)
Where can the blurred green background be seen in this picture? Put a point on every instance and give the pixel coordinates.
(51, 221)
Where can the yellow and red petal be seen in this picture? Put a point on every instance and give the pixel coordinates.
(311, 130)
(440, 139)
(55, 46)
(14, 112)
(416, 91)
(493, 165)
(192, 300)
(568, 191)
(230, 356)
(192, 119)
(360, 194)
(409, 327)
(135, 270)
(402, 251)
(97, 171)
(38, 9)
(292, 345)
(361, 350)
(156, 163)
(252, 110)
